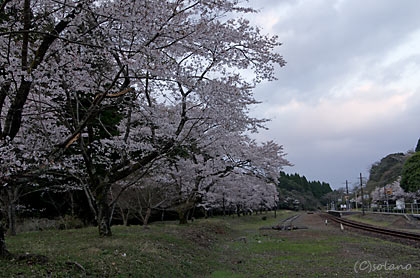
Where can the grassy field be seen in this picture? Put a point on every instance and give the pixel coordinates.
(370, 219)
(397, 222)
(208, 248)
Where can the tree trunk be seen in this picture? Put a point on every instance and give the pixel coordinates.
(162, 216)
(192, 213)
(223, 205)
(11, 213)
(125, 216)
(147, 216)
(183, 216)
(111, 213)
(12, 196)
(71, 203)
(91, 200)
(104, 216)
(3, 250)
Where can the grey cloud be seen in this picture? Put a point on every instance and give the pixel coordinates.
(325, 41)
(327, 45)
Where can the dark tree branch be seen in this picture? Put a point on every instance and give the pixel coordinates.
(14, 115)
(3, 6)
(91, 112)
(26, 27)
(3, 93)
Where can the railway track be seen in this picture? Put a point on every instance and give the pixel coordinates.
(287, 224)
(374, 229)
(291, 219)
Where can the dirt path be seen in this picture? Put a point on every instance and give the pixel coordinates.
(313, 221)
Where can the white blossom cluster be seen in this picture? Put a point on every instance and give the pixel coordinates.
(115, 90)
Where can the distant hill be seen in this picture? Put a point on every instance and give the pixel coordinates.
(296, 192)
(387, 170)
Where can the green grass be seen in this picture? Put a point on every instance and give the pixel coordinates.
(222, 247)
(224, 274)
(165, 251)
(367, 220)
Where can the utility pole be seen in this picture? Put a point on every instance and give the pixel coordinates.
(347, 197)
(361, 189)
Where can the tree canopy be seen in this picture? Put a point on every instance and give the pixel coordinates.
(296, 187)
(386, 171)
(410, 180)
(107, 94)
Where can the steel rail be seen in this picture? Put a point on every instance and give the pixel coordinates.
(374, 229)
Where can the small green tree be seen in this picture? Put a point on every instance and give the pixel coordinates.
(410, 180)
(418, 146)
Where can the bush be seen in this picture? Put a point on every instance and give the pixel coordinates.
(69, 222)
(410, 180)
(40, 224)
(35, 224)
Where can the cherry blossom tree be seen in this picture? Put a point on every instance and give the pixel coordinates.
(237, 171)
(184, 73)
(128, 82)
(251, 184)
(144, 196)
(28, 30)
(23, 159)
(395, 191)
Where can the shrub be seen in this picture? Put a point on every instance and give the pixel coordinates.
(35, 224)
(410, 180)
(40, 224)
(69, 222)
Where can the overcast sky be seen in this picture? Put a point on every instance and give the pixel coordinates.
(350, 92)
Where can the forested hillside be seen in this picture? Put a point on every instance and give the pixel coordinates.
(391, 167)
(387, 170)
(298, 193)
(410, 174)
